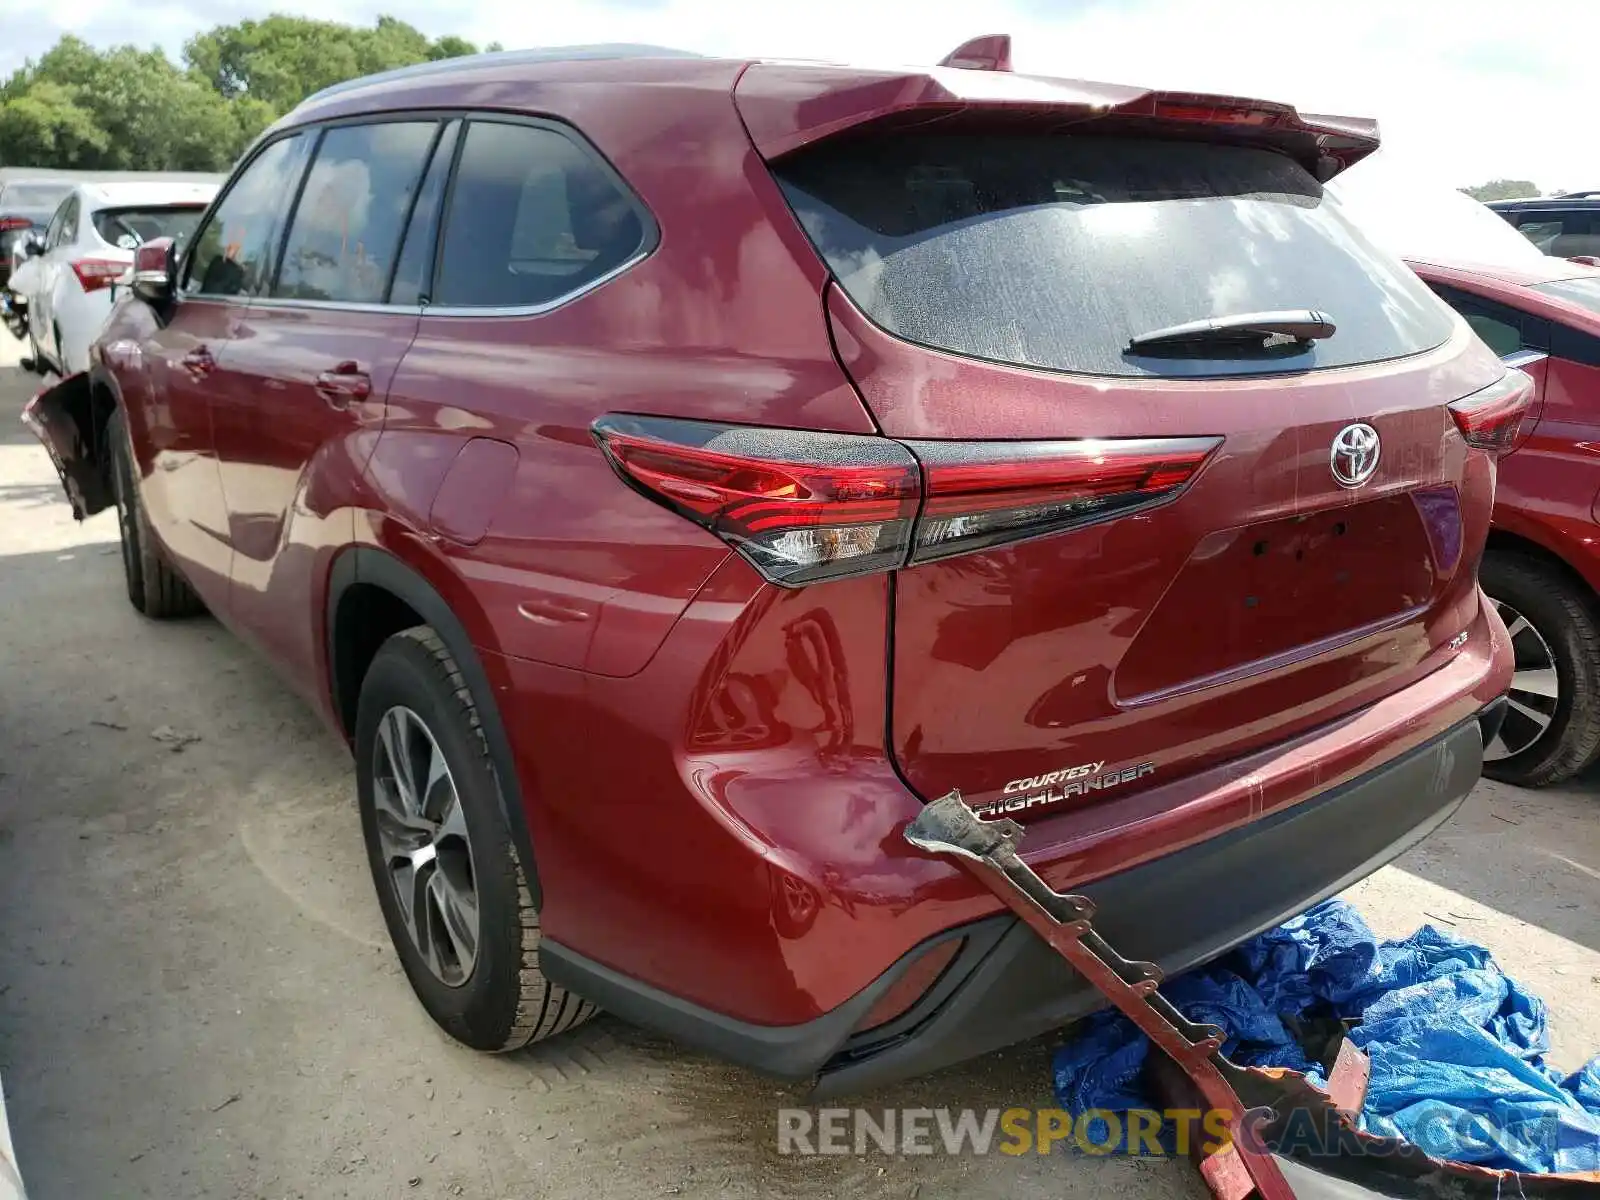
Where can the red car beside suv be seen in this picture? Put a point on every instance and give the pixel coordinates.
(1542, 565)
(667, 473)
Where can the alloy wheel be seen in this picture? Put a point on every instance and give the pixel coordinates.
(422, 834)
(1535, 688)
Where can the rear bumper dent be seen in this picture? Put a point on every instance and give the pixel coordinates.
(1006, 985)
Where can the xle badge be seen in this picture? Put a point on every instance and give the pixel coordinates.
(1022, 794)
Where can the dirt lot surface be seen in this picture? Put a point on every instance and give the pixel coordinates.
(197, 997)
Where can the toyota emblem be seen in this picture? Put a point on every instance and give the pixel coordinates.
(1355, 455)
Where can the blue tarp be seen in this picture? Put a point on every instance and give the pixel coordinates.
(1457, 1047)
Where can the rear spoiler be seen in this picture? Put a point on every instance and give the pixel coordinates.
(788, 106)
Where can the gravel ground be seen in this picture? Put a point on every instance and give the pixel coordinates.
(197, 997)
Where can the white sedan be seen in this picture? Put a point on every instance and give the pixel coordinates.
(66, 278)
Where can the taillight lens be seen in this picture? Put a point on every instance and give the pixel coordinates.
(1489, 419)
(96, 273)
(984, 493)
(7, 224)
(800, 506)
(804, 507)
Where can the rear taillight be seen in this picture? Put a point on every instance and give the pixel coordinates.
(1489, 419)
(800, 506)
(7, 224)
(96, 273)
(984, 493)
(804, 507)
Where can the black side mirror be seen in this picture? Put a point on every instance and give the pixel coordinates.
(154, 271)
(32, 244)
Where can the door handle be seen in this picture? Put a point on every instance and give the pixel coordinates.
(199, 363)
(344, 384)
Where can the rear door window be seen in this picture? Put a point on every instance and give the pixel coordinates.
(52, 235)
(1580, 235)
(1540, 231)
(346, 229)
(1583, 291)
(69, 221)
(534, 217)
(1505, 330)
(1055, 251)
(232, 254)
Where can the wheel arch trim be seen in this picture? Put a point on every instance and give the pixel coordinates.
(1535, 540)
(369, 565)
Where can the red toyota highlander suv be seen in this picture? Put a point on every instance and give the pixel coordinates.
(667, 473)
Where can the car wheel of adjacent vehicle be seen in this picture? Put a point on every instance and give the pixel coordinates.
(453, 893)
(1552, 724)
(154, 587)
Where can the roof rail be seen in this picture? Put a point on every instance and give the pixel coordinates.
(506, 58)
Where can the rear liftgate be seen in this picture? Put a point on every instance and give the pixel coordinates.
(1269, 1111)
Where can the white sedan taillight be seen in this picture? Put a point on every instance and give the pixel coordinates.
(97, 273)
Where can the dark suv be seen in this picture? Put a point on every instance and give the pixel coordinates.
(667, 473)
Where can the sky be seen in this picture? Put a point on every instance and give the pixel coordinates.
(1463, 94)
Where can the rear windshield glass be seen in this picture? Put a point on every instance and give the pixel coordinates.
(130, 227)
(1054, 251)
(34, 195)
(1584, 292)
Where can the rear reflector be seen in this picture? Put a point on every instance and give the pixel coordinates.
(1489, 419)
(804, 507)
(96, 273)
(912, 985)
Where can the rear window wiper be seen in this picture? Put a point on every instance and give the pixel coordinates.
(1296, 324)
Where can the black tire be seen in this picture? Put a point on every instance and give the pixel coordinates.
(154, 586)
(1564, 620)
(503, 1002)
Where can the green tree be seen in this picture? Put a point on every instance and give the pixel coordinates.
(44, 124)
(132, 109)
(282, 60)
(1503, 189)
(122, 109)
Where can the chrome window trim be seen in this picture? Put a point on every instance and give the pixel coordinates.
(1524, 358)
(333, 305)
(429, 310)
(208, 297)
(534, 310)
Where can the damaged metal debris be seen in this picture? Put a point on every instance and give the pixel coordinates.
(64, 419)
(1288, 1139)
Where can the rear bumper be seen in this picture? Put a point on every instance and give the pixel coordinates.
(1005, 984)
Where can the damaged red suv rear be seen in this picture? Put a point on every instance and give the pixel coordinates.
(668, 473)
